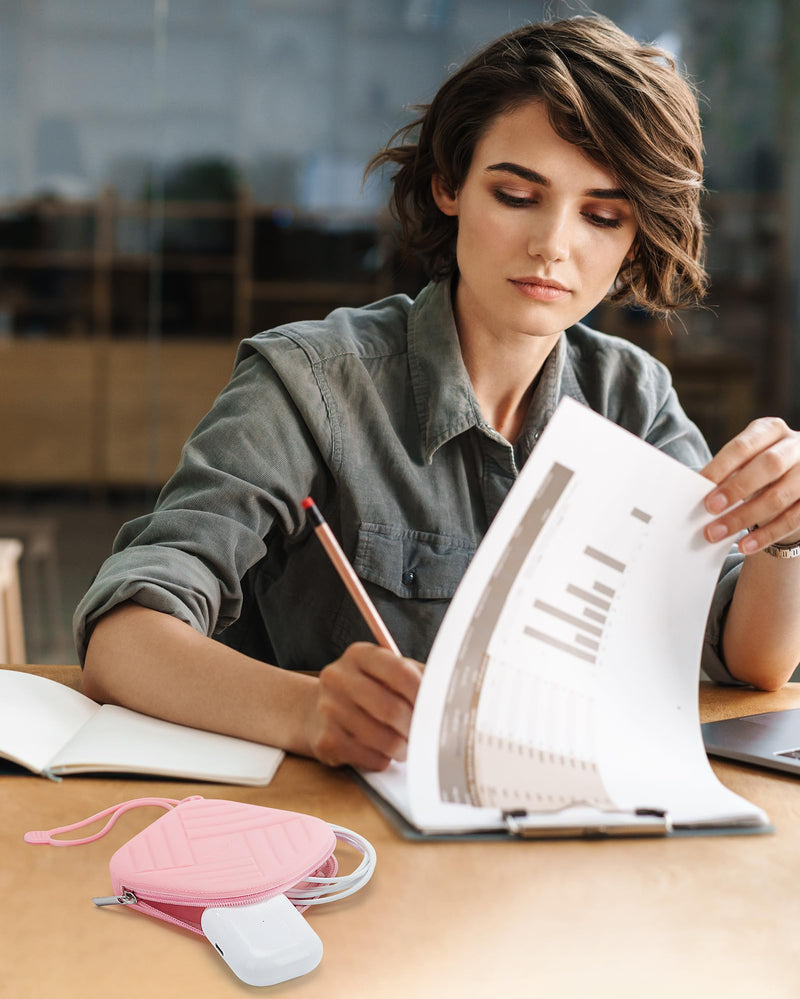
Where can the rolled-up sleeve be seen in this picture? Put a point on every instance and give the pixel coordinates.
(239, 477)
(712, 663)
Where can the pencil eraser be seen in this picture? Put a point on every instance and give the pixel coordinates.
(307, 503)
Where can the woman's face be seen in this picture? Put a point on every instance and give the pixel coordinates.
(542, 229)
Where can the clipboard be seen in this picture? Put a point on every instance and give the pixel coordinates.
(645, 823)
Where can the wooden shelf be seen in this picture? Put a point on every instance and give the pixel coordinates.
(311, 291)
(177, 209)
(174, 262)
(49, 259)
(107, 405)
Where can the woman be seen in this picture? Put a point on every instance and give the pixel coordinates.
(562, 161)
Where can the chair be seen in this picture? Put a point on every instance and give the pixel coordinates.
(39, 581)
(12, 630)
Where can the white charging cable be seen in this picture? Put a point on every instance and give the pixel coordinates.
(322, 890)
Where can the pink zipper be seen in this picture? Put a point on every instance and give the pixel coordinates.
(164, 914)
(141, 901)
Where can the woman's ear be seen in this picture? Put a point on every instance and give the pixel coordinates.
(446, 200)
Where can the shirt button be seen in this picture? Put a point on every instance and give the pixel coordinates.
(409, 577)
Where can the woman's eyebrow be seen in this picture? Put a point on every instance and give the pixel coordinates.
(611, 193)
(525, 173)
(520, 171)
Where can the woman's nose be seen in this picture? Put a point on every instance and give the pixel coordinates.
(549, 237)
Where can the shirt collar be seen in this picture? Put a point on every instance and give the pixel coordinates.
(443, 393)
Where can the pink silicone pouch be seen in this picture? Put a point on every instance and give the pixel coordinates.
(208, 852)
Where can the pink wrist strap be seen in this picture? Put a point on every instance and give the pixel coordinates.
(45, 837)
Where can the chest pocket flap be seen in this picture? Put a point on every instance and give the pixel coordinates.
(411, 563)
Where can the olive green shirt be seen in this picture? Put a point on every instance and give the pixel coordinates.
(372, 413)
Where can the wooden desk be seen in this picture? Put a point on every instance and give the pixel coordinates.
(701, 917)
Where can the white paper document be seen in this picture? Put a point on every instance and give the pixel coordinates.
(564, 679)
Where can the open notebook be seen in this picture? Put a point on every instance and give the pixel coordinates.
(53, 730)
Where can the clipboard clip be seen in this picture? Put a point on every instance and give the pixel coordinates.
(638, 822)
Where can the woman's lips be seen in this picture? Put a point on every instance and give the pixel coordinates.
(539, 289)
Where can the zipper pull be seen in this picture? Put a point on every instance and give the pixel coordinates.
(127, 899)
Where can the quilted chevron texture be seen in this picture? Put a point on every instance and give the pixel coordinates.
(206, 849)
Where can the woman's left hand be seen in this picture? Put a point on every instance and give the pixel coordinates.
(757, 478)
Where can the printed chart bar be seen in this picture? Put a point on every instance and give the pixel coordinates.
(558, 644)
(612, 563)
(595, 605)
(590, 598)
(594, 615)
(569, 618)
(461, 701)
(571, 621)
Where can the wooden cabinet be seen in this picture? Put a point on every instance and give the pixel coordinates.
(154, 397)
(83, 413)
(47, 412)
(119, 321)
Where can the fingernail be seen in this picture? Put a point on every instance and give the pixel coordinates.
(716, 532)
(716, 503)
(748, 545)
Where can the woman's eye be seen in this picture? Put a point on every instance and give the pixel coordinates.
(603, 221)
(514, 200)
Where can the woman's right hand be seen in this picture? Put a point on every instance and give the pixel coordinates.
(362, 709)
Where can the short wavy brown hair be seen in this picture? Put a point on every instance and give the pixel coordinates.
(622, 102)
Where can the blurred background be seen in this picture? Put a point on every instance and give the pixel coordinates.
(176, 174)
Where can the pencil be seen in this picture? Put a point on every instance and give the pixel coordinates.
(348, 576)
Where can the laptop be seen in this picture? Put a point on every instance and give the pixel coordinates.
(769, 740)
